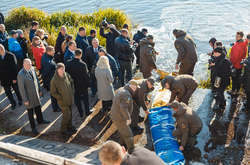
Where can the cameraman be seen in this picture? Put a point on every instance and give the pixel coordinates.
(220, 76)
(110, 37)
(125, 55)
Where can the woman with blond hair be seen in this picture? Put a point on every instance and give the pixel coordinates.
(38, 49)
(105, 89)
(41, 34)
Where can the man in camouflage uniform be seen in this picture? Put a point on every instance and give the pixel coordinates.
(188, 125)
(121, 111)
(140, 100)
(182, 87)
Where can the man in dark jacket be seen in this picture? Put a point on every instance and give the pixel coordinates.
(137, 38)
(148, 56)
(34, 27)
(121, 112)
(110, 39)
(188, 125)
(125, 56)
(140, 100)
(70, 52)
(91, 60)
(182, 87)
(23, 42)
(78, 70)
(186, 48)
(220, 77)
(82, 41)
(48, 68)
(1, 18)
(62, 88)
(58, 48)
(3, 36)
(246, 82)
(112, 62)
(8, 76)
(112, 153)
(91, 36)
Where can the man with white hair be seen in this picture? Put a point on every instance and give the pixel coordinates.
(112, 153)
(8, 75)
(30, 90)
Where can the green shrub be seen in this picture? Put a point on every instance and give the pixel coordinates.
(23, 16)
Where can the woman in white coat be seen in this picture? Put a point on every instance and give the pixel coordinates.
(105, 89)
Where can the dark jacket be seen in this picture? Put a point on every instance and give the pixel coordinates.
(68, 56)
(23, 43)
(122, 106)
(4, 39)
(142, 156)
(8, 68)
(141, 93)
(246, 76)
(62, 89)
(180, 85)
(90, 38)
(59, 41)
(1, 18)
(48, 68)
(91, 57)
(82, 43)
(186, 48)
(78, 71)
(124, 51)
(110, 40)
(138, 36)
(221, 69)
(147, 57)
(113, 65)
(188, 122)
(32, 34)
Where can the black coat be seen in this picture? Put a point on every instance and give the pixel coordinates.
(48, 68)
(78, 71)
(221, 69)
(59, 41)
(8, 68)
(246, 76)
(82, 43)
(91, 57)
(90, 38)
(4, 39)
(1, 18)
(124, 51)
(110, 40)
(23, 43)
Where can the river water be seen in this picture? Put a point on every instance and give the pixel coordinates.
(202, 19)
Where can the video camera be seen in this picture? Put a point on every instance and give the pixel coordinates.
(104, 23)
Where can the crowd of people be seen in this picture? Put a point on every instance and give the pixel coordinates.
(70, 67)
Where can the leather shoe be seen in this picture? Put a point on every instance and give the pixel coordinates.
(45, 122)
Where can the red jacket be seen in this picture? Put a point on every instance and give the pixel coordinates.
(238, 53)
(37, 54)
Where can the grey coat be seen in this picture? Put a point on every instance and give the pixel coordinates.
(29, 88)
(105, 88)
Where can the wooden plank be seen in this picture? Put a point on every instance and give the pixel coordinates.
(37, 156)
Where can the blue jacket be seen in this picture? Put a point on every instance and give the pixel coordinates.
(32, 34)
(68, 55)
(82, 43)
(48, 69)
(113, 65)
(15, 48)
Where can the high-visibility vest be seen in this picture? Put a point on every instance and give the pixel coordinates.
(229, 53)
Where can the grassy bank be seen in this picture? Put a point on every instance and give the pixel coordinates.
(21, 18)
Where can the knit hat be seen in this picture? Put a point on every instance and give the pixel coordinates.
(218, 50)
(19, 31)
